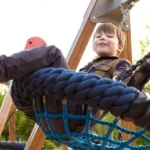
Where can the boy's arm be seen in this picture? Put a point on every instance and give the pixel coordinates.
(139, 78)
(139, 112)
(25, 62)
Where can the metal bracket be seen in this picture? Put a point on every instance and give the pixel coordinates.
(109, 11)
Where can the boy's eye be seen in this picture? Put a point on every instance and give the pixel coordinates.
(110, 36)
(98, 36)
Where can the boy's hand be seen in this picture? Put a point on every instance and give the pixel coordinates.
(139, 111)
(134, 0)
(148, 61)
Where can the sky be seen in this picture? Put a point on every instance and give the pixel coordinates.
(57, 22)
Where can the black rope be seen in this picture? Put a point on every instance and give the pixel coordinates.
(9, 119)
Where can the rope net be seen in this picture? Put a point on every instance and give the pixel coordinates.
(86, 140)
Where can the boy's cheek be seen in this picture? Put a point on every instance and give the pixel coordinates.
(93, 46)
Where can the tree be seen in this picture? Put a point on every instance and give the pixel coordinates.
(24, 126)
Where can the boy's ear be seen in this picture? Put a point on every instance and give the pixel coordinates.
(120, 48)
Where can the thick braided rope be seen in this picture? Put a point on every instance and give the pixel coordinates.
(82, 88)
(12, 145)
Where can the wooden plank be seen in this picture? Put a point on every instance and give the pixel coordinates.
(82, 38)
(127, 54)
(81, 45)
(36, 139)
(12, 125)
(5, 110)
(66, 148)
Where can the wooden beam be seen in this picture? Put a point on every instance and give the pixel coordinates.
(66, 148)
(81, 45)
(82, 38)
(36, 139)
(127, 54)
(12, 125)
(5, 110)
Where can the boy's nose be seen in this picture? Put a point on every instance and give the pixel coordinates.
(102, 37)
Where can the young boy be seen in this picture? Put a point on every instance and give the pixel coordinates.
(108, 43)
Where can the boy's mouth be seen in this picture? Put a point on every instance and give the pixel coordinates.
(102, 44)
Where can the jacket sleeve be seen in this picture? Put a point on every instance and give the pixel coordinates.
(139, 111)
(119, 67)
(139, 78)
(25, 62)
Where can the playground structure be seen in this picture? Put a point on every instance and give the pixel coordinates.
(91, 18)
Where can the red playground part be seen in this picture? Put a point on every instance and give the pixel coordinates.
(34, 42)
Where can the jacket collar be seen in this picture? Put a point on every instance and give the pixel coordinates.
(106, 57)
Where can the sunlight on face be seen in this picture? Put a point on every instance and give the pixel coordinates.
(106, 44)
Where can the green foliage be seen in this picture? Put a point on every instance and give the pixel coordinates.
(5, 133)
(3, 90)
(140, 141)
(144, 44)
(24, 126)
(102, 129)
(49, 145)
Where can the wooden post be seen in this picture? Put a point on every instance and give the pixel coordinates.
(5, 110)
(12, 125)
(66, 148)
(127, 54)
(82, 38)
(81, 45)
(36, 139)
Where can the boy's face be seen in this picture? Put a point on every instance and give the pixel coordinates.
(106, 44)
